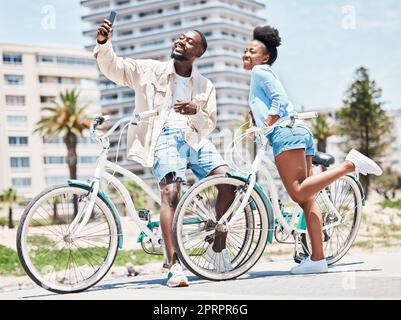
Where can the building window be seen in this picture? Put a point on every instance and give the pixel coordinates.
(125, 33)
(66, 60)
(52, 180)
(122, 2)
(17, 120)
(46, 59)
(127, 110)
(21, 182)
(107, 84)
(15, 100)
(127, 17)
(18, 141)
(87, 159)
(150, 13)
(84, 140)
(109, 97)
(151, 28)
(55, 140)
(128, 95)
(14, 79)
(12, 58)
(19, 162)
(206, 66)
(152, 43)
(54, 160)
(47, 99)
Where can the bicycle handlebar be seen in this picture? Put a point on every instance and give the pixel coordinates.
(133, 120)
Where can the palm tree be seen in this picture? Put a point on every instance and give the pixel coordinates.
(9, 197)
(322, 131)
(69, 120)
(66, 119)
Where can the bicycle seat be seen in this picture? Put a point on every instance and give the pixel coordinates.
(323, 159)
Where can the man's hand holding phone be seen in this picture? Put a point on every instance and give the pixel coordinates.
(105, 31)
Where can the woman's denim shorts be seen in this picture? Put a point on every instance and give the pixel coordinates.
(286, 138)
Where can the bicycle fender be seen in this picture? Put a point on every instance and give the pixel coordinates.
(85, 185)
(359, 186)
(265, 199)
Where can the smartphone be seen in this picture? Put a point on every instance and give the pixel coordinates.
(112, 16)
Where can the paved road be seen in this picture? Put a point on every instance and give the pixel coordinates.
(357, 276)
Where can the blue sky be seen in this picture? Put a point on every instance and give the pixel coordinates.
(322, 44)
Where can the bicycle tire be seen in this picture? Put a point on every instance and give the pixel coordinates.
(249, 258)
(27, 262)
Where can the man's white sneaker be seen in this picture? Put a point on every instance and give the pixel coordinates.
(308, 266)
(363, 164)
(220, 260)
(176, 277)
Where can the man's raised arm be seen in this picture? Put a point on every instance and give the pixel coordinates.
(119, 70)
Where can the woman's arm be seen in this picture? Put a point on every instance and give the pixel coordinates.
(273, 88)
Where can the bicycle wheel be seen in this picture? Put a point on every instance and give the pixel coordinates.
(347, 199)
(245, 240)
(49, 255)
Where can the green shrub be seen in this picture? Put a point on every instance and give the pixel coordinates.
(3, 221)
(9, 262)
(394, 204)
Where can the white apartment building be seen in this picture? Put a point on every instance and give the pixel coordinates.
(148, 28)
(30, 78)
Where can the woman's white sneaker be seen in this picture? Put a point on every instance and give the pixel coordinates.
(308, 266)
(363, 164)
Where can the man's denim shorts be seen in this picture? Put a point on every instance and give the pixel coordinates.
(174, 155)
(286, 138)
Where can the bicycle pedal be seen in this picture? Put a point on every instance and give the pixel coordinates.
(299, 257)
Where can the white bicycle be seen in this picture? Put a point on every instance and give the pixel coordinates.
(256, 215)
(76, 251)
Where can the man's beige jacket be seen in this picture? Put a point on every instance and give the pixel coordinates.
(152, 82)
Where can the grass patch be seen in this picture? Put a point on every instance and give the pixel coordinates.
(9, 262)
(394, 227)
(47, 222)
(45, 257)
(136, 257)
(365, 244)
(3, 221)
(394, 204)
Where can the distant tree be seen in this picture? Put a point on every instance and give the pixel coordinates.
(9, 197)
(388, 183)
(363, 121)
(68, 120)
(322, 130)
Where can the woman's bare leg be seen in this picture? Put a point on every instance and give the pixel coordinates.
(293, 172)
(293, 176)
(314, 220)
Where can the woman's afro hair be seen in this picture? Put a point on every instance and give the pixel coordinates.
(270, 37)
